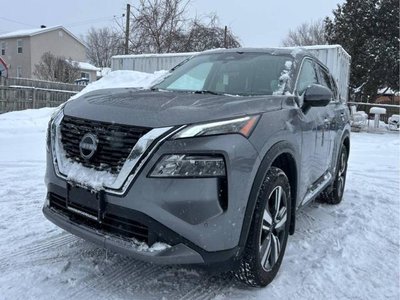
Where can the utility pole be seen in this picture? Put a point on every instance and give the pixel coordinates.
(226, 37)
(128, 15)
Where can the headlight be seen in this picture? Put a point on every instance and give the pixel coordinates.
(54, 115)
(189, 166)
(244, 126)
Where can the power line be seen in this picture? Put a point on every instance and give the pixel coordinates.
(17, 22)
(80, 23)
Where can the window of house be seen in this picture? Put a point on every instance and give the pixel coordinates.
(19, 46)
(85, 75)
(3, 48)
(19, 71)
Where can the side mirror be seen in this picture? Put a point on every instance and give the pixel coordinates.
(317, 95)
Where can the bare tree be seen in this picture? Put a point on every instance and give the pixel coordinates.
(203, 35)
(102, 44)
(56, 68)
(158, 26)
(161, 26)
(312, 33)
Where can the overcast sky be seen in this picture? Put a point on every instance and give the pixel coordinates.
(257, 23)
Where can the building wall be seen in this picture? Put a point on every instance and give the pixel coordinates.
(59, 43)
(14, 59)
(91, 73)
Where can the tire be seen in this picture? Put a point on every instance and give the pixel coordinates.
(269, 230)
(334, 194)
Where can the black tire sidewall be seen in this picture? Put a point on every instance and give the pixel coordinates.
(336, 198)
(274, 177)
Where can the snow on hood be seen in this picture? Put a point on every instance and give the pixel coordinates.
(124, 79)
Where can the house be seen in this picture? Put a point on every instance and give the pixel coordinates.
(88, 72)
(387, 96)
(23, 49)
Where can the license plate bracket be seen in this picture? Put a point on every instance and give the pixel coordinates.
(86, 202)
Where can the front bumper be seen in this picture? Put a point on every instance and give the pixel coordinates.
(179, 253)
(203, 225)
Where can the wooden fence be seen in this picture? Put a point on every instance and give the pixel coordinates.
(51, 85)
(20, 93)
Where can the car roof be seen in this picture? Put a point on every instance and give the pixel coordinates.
(296, 52)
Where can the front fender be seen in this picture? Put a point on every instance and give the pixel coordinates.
(282, 147)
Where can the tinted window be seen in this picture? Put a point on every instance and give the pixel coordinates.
(232, 73)
(334, 88)
(307, 76)
(325, 78)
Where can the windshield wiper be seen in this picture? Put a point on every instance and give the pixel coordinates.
(207, 92)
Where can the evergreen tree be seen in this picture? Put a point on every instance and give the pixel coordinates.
(369, 32)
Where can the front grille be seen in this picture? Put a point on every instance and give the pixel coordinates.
(111, 224)
(115, 142)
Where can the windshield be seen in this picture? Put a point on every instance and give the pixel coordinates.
(243, 74)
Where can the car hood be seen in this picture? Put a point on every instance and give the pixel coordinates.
(163, 109)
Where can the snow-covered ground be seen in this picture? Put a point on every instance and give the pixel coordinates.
(349, 251)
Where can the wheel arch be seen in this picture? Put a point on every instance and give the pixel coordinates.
(284, 156)
(346, 141)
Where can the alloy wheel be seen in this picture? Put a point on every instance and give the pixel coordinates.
(341, 174)
(273, 228)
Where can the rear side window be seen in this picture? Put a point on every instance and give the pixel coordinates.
(325, 78)
(334, 89)
(307, 77)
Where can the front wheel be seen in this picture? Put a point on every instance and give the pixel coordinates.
(269, 231)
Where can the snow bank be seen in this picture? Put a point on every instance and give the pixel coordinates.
(21, 121)
(124, 79)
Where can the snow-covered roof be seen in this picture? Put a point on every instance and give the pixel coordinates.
(156, 55)
(387, 91)
(36, 31)
(86, 66)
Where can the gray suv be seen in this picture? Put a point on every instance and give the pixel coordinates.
(208, 167)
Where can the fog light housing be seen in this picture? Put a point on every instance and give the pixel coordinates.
(189, 166)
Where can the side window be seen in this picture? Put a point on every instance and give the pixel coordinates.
(3, 48)
(307, 76)
(325, 78)
(335, 89)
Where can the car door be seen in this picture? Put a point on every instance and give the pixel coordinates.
(313, 127)
(330, 115)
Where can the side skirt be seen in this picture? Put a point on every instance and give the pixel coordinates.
(317, 188)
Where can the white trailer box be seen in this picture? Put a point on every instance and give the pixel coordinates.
(333, 56)
(148, 63)
(338, 62)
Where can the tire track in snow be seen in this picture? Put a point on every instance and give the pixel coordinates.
(43, 261)
(108, 277)
(41, 246)
(210, 287)
(125, 275)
